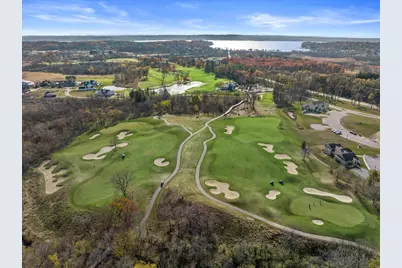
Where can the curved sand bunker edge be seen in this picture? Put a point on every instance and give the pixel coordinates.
(272, 194)
(160, 162)
(51, 181)
(124, 134)
(282, 156)
(229, 129)
(94, 136)
(318, 222)
(291, 167)
(267, 147)
(101, 153)
(222, 188)
(342, 198)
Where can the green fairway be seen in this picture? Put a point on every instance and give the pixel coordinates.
(363, 125)
(267, 100)
(155, 79)
(152, 139)
(199, 75)
(237, 159)
(122, 60)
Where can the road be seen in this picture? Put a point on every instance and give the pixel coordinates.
(173, 174)
(252, 215)
(365, 104)
(334, 121)
(68, 89)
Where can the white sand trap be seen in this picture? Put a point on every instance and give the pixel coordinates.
(291, 167)
(319, 127)
(94, 136)
(222, 187)
(229, 129)
(282, 156)
(318, 222)
(291, 115)
(272, 194)
(50, 185)
(342, 198)
(160, 162)
(268, 147)
(100, 155)
(124, 134)
(315, 115)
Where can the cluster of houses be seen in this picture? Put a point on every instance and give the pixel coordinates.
(88, 85)
(344, 156)
(316, 107)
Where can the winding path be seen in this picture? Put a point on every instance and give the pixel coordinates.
(171, 176)
(229, 206)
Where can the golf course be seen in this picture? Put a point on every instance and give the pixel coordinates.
(254, 164)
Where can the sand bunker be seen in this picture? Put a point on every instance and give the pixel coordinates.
(292, 115)
(160, 162)
(50, 180)
(318, 222)
(94, 136)
(315, 115)
(282, 156)
(124, 134)
(272, 194)
(319, 127)
(229, 129)
(291, 167)
(342, 198)
(268, 147)
(100, 155)
(222, 187)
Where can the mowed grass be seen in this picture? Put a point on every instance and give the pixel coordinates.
(122, 60)
(267, 99)
(78, 93)
(152, 139)
(363, 125)
(237, 159)
(155, 79)
(199, 75)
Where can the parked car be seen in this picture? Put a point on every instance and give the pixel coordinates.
(353, 133)
(338, 132)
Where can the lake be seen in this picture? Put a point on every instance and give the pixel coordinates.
(284, 46)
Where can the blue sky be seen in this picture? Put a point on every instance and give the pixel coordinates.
(338, 18)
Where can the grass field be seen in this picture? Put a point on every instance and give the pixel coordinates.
(122, 60)
(238, 160)
(152, 139)
(155, 79)
(367, 127)
(77, 93)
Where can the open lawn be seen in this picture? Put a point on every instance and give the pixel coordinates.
(237, 159)
(77, 93)
(106, 80)
(122, 60)
(199, 75)
(152, 139)
(361, 124)
(155, 79)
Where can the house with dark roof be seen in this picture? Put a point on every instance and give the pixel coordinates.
(228, 87)
(344, 156)
(315, 107)
(106, 93)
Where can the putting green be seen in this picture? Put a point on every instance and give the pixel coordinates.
(151, 139)
(339, 214)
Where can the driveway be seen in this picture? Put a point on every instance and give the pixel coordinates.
(372, 162)
(334, 121)
(361, 172)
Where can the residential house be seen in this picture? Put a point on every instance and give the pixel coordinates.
(345, 156)
(329, 148)
(88, 85)
(105, 93)
(315, 107)
(228, 87)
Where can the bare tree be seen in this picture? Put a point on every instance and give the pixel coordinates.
(305, 151)
(122, 181)
(114, 141)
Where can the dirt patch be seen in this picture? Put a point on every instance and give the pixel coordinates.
(222, 188)
(229, 129)
(272, 194)
(94, 136)
(292, 115)
(342, 198)
(376, 136)
(282, 156)
(267, 147)
(318, 222)
(41, 76)
(319, 127)
(101, 154)
(160, 162)
(291, 167)
(124, 134)
(51, 180)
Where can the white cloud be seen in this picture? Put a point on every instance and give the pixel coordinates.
(46, 7)
(113, 10)
(196, 24)
(329, 17)
(188, 4)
